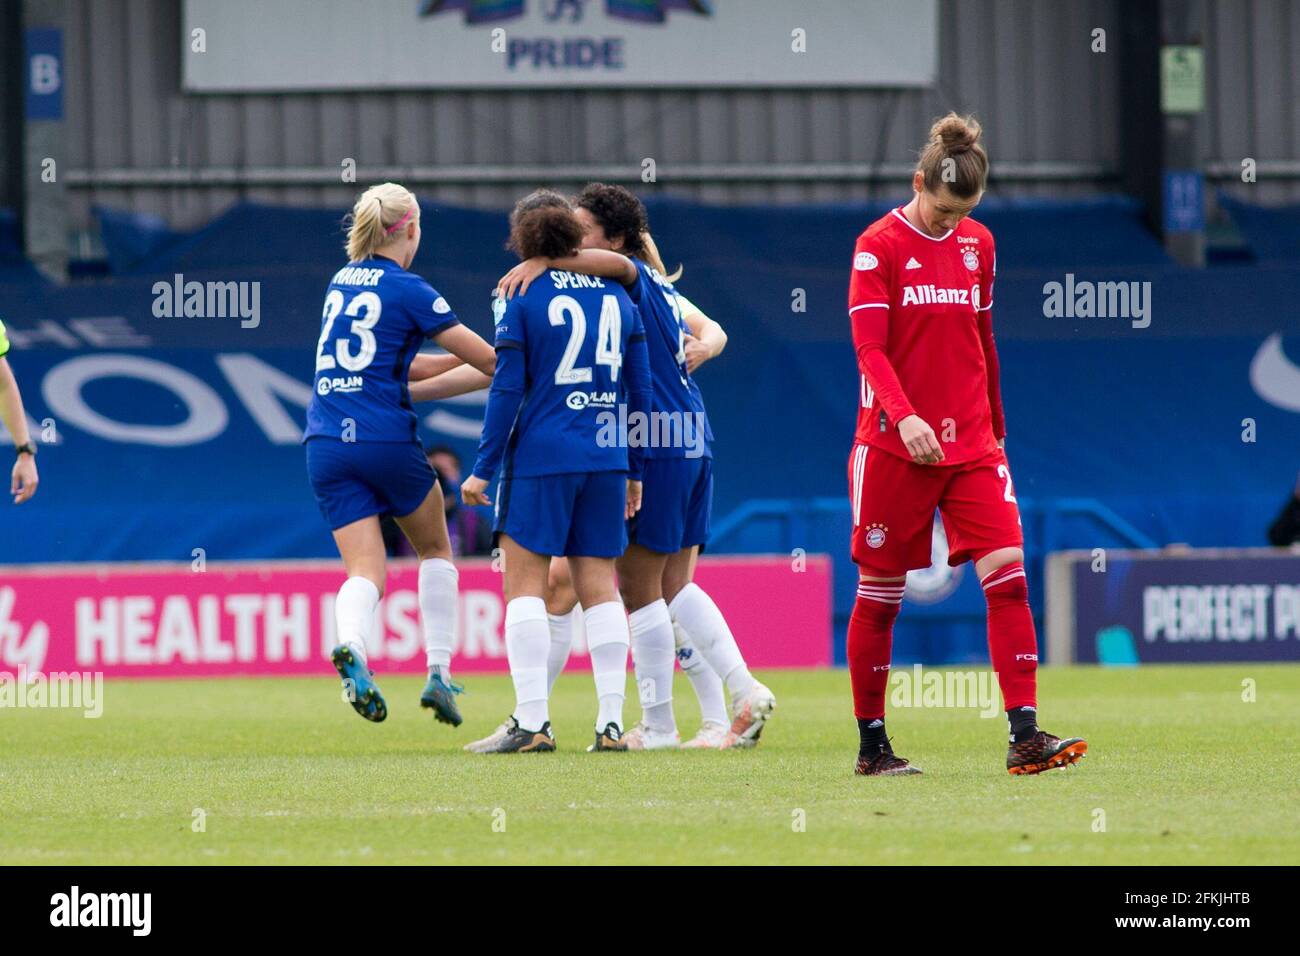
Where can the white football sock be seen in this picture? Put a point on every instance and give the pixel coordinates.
(561, 626)
(652, 654)
(707, 684)
(607, 642)
(528, 640)
(438, 593)
(707, 628)
(354, 613)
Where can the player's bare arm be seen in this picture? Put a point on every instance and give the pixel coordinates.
(24, 479)
(427, 366)
(473, 491)
(920, 440)
(596, 262)
(707, 338)
(458, 381)
(468, 346)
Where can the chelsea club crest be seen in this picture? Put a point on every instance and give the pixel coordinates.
(931, 585)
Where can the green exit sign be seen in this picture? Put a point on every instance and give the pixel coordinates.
(1182, 79)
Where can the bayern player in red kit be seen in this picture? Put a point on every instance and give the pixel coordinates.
(930, 434)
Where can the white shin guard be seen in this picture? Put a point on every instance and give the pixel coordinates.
(438, 586)
(354, 613)
(607, 642)
(653, 653)
(528, 640)
(704, 624)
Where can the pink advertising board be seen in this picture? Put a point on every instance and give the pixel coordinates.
(171, 620)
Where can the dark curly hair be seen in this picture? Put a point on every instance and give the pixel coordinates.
(619, 213)
(543, 224)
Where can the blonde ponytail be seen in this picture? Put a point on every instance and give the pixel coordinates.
(652, 256)
(375, 218)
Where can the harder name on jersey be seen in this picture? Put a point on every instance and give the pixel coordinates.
(355, 275)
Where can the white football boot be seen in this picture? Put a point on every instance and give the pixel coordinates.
(642, 737)
(489, 743)
(710, 736)
(750, 712)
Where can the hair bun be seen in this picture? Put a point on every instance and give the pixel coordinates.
(956, 134)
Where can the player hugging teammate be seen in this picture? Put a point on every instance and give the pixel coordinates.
(568, 350)
(920, 304)
(669, 617)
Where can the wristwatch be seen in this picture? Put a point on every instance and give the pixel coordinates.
(26, 447)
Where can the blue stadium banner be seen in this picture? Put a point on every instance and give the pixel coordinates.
(43, 83)
(1125, 608)
(1184, 201)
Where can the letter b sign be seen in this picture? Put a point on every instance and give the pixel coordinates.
(44, 93)
(45, 74)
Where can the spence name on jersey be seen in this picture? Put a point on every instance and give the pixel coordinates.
(561, 348)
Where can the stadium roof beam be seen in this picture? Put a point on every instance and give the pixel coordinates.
(471, 174)
(1264, 169)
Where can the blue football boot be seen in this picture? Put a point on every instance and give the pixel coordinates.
(359, 690)
(439, 696)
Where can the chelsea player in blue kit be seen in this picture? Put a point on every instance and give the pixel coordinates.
(666, 608)
(570, 352)
(363, 455)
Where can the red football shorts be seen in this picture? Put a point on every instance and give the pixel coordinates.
(893, 502)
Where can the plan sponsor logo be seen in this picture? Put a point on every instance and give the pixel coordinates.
(580, 400)
(325, 385)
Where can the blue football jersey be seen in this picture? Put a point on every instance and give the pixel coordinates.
(376, 317)
(574, 332)
(675, 391)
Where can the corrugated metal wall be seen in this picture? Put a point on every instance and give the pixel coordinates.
(1024, 66)
(11, 117)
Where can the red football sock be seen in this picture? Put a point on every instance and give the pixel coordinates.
(1013, 645)
(871, 634)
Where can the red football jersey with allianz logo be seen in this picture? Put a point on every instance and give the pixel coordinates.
(916, 304)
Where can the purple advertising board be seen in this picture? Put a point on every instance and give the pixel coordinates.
(1131, 607)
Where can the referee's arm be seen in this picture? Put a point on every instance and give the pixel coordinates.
(24, 480)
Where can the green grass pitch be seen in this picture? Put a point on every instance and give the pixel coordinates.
(1183, 769)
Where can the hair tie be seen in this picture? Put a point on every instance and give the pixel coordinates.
(398, 225)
